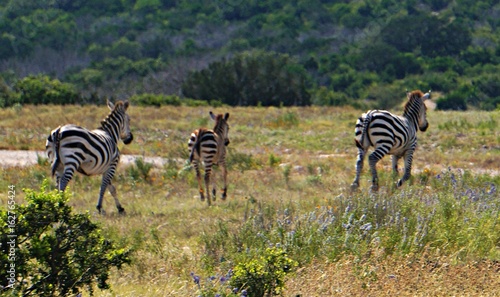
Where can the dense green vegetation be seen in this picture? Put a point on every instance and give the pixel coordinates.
(47, 250)
(328, 52)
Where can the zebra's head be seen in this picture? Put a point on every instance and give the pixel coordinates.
(417, 109)
(221, 126)
(119, 112)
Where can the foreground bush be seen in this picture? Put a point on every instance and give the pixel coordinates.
(49, 251)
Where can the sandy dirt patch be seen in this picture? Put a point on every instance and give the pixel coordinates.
(29, 158)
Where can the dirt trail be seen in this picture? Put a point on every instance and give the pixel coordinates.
(28, 158)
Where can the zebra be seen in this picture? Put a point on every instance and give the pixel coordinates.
(390, 134)
(209, 147)
(72, 148)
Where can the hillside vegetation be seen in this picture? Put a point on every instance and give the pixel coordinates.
(300, 52)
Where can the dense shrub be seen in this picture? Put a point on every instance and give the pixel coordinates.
(54, 252)
(263, 275)
(155, 100)
(41, 89)
(454, 101)
(252, 78)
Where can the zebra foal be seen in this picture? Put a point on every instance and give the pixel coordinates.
(390, 134)
(209, 147)
(72, 148)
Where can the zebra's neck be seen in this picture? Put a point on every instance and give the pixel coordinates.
(111, 125)
(219, 130)
(411, 113)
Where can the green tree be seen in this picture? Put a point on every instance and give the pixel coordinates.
(55, 252)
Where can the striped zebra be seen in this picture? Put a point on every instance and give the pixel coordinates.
(390, 134)
(209, 147)
(72, 148)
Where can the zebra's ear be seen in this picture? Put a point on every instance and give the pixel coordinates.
(212, 115)
(110, 105)
(427, 95)
(226, 116)
(126, 104)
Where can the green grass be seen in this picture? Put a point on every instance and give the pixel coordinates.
(289, 176)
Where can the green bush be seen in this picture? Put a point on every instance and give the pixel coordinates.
(41, 89)
(263, 275)
(454, 101)
(54, 252)
(155, 100)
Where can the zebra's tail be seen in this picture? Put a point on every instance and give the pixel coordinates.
(362, 130)
(56, 139)
(196, 147)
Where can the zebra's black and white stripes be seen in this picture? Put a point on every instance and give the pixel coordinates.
(209, 147)
(390, 134)
(72, 148)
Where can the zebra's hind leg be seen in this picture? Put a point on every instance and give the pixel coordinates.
(207, 184)
(213, 179)
(372, 160)
(224, 176)
(359, 168)
(62, 181)
(112, 191)
(198, 177)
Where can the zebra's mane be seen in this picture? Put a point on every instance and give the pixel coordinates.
(414, 95)
(118, 105)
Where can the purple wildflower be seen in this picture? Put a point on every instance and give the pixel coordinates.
(244, 293)
(492, 190)
(196, 278)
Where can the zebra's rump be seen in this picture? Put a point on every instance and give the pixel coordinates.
(203, 144)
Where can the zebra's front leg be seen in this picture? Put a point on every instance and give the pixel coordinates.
(106, 181)
(112, 191)
(395, 160)
(408, 160)
(359, 168)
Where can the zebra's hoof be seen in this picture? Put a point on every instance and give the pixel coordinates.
(374, 188)
(399, 183)
(354, 186)
(121, 210)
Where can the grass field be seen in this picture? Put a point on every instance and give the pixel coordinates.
(289, 176)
